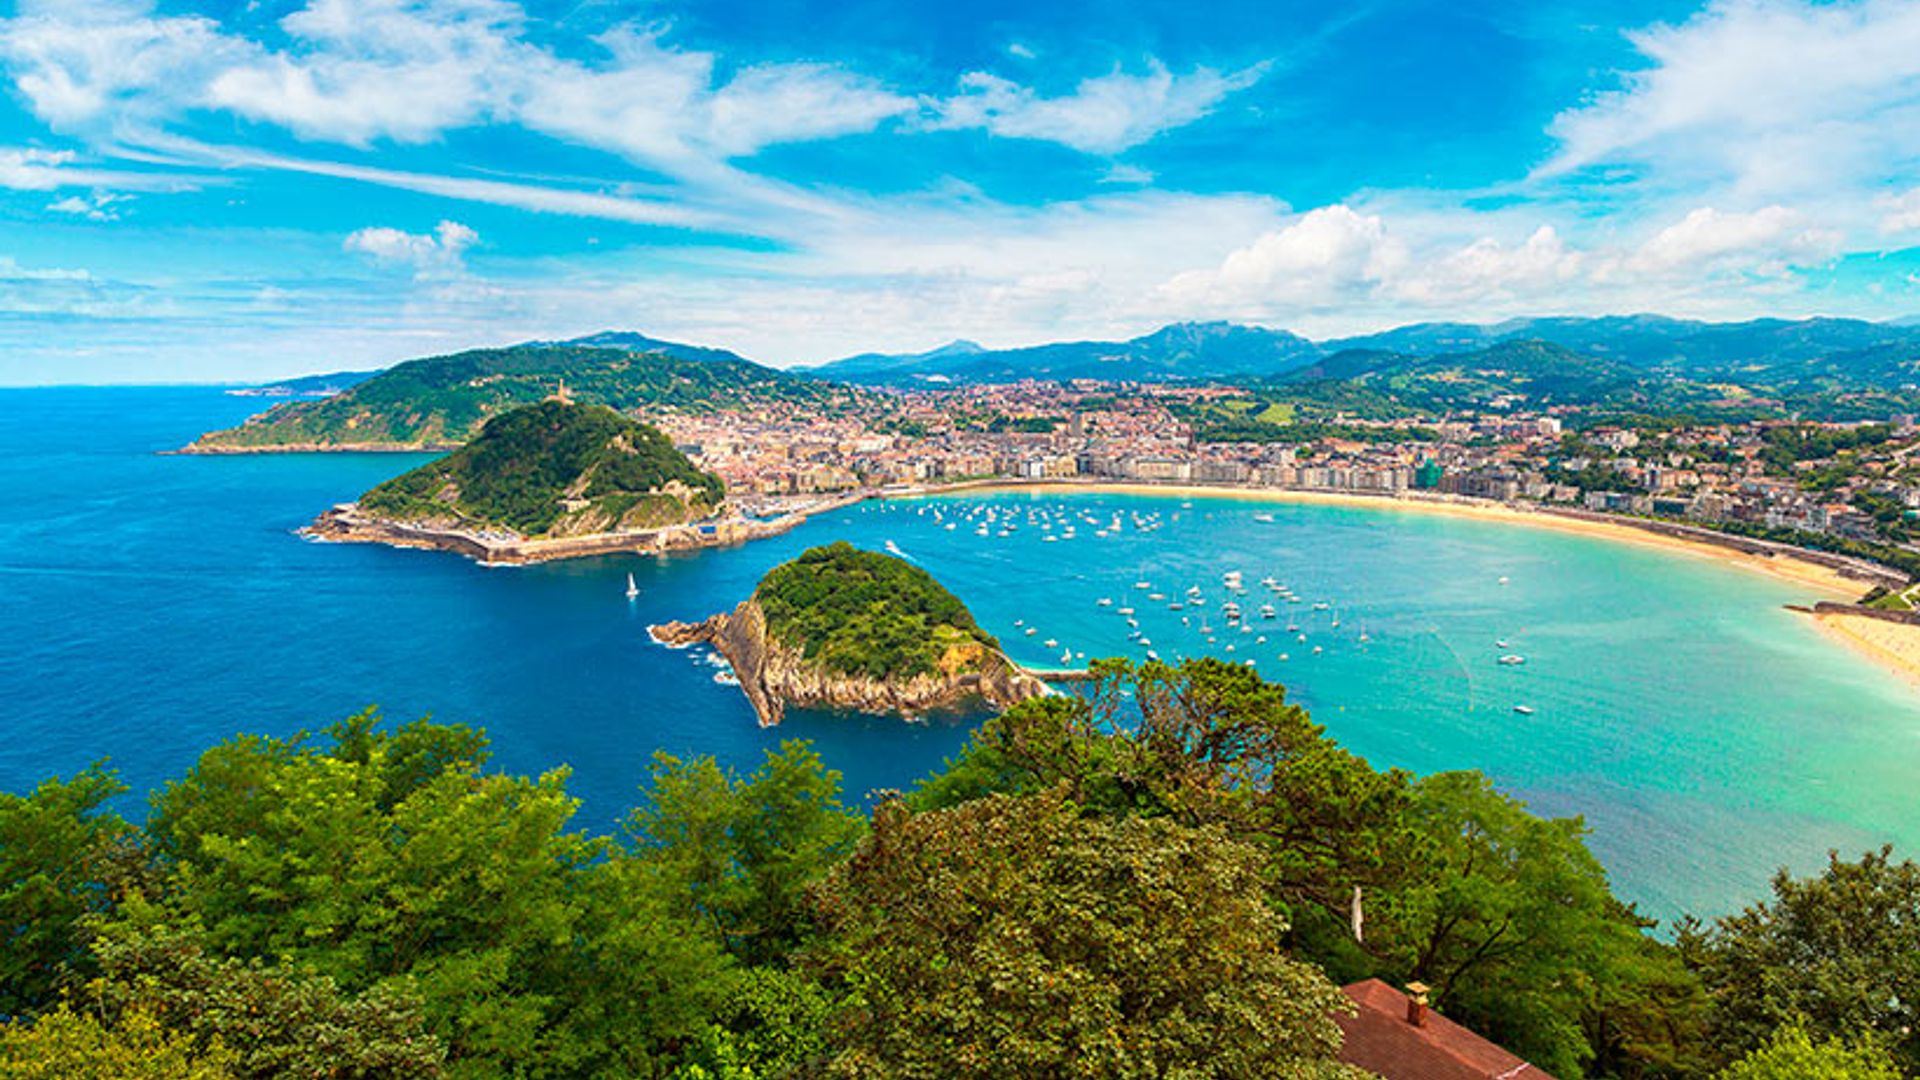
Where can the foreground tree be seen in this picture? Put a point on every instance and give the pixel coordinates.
(53, 844)
(1023, 937)
(1838, 952)
(1206, 743)
(68, 1045)
(1792, 1054)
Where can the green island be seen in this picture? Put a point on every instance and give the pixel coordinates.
(845, 629)
(857, 612)
(553, 469)
(440, 402)
(1154, 876)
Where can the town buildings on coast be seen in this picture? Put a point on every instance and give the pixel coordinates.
(1716, 475)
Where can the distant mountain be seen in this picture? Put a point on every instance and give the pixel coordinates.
(630, 341)
(1817, 351)
(307, 385)
(443, 401)
(933, 360)
(1180, 351)
(1540, 370)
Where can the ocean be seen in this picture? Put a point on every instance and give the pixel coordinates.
(153, 604)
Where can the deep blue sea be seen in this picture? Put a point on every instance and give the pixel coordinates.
(152, 604)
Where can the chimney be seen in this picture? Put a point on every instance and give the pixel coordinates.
(1417, 1004)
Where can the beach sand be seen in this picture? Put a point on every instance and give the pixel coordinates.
(1894, 646)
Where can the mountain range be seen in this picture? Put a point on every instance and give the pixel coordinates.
(1804, 352)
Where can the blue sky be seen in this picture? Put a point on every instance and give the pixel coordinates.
(241, 188)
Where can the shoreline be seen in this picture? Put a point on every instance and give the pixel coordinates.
(344, 524)
(1893, 647)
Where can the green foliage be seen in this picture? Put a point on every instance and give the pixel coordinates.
(774, 1023)
(1205, 743)
(859, 612)
(265, 1021)
(443, 401)
(1018, 937)
(525, 463)
(1791, 1054)
(52, 843)
(743, 851)
(1838, 952)
(1507, 916)
(357, 861)
(69, 1045)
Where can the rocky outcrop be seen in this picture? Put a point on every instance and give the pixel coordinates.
(775, 676)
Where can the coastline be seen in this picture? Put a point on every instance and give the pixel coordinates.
(1836, 582)
(345, 524)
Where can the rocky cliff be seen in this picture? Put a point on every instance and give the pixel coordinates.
(774, 675)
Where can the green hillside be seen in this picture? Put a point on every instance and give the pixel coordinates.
(554, 469)
(863, 613)
(442, 401)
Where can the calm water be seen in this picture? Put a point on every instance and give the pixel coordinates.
(150, 605)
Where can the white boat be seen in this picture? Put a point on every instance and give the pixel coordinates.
(1141, 585)
(1316, 650)
(1501, 644)
(1146, 641)
(1176, 606)
(632, 589)
(1321, 605)
(1051, 644)
(1156, 596)
(1154, 656)
(1067, 657)
(1031, 631)
(1513, 659)
(1523, 710)
(1126, 611)
(1105, 601)
(1503, 579)
(1266, 611)
(1283, 656)
(1264, 518)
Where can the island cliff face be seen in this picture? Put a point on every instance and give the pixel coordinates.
(844, 629)
(775, 676)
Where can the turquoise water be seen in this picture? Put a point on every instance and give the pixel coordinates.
(151, 604)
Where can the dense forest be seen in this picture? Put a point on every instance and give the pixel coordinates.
(534, 467)
(863, 613)
(442, 401)
(1150, 878)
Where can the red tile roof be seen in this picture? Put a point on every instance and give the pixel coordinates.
(1380, 1040)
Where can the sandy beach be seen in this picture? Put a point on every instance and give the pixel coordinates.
(1893, 646)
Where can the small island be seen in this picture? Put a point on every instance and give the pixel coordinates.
(545, 481)
(846, 629)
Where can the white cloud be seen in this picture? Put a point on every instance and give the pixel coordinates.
(1488, 269)
(34, 169)
(1104, 115)
(1763, 238)
(1318, 258)
(1771, 98)
(97, 206)
(434, 254)
(1902, 212)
